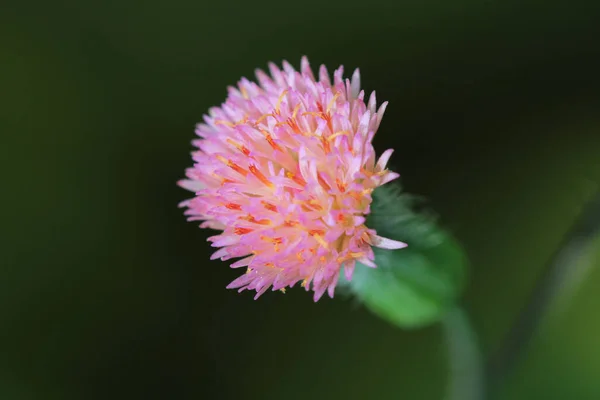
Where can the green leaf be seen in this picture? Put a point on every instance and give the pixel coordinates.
(414, 286)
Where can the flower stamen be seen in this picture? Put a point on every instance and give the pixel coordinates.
(279, 101)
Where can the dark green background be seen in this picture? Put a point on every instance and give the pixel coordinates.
(106, 291)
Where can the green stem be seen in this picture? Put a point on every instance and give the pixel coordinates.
(562, 274)
(466, 380)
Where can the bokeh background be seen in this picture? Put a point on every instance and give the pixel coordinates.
(106, 291)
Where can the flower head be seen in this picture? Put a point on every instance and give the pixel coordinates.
(285, 169)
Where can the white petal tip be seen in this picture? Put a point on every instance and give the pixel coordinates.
(385, 243)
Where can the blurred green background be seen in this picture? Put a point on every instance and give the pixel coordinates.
(106, 291)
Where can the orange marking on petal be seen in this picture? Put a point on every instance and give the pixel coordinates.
(233, 206)
(296, 178)
(269, 206)
(251, 218)
(242, 231)
(272, 143)
(223, 180)
(294, 125)
(315, 204)
(299, 257)
(292, 120)
(270, 140)
(323, 183)
(244, 92)
(232, 165)
(277, 240)
(226, 181)
(237, 168)
(325, 144)
(260, 176)
(313, 232)
(291, 224)
(329, 123)
(238, 146)
(322, 259)
(341, 185)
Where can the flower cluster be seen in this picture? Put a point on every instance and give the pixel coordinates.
(285, 169)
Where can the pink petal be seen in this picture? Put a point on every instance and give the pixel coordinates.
(349, 269)
(355, 83)
(192, 186)
(383, 160)
(365, 261)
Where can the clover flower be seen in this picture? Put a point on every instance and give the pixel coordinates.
(285, 170)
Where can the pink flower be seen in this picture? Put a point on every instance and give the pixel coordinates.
(285, 169)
